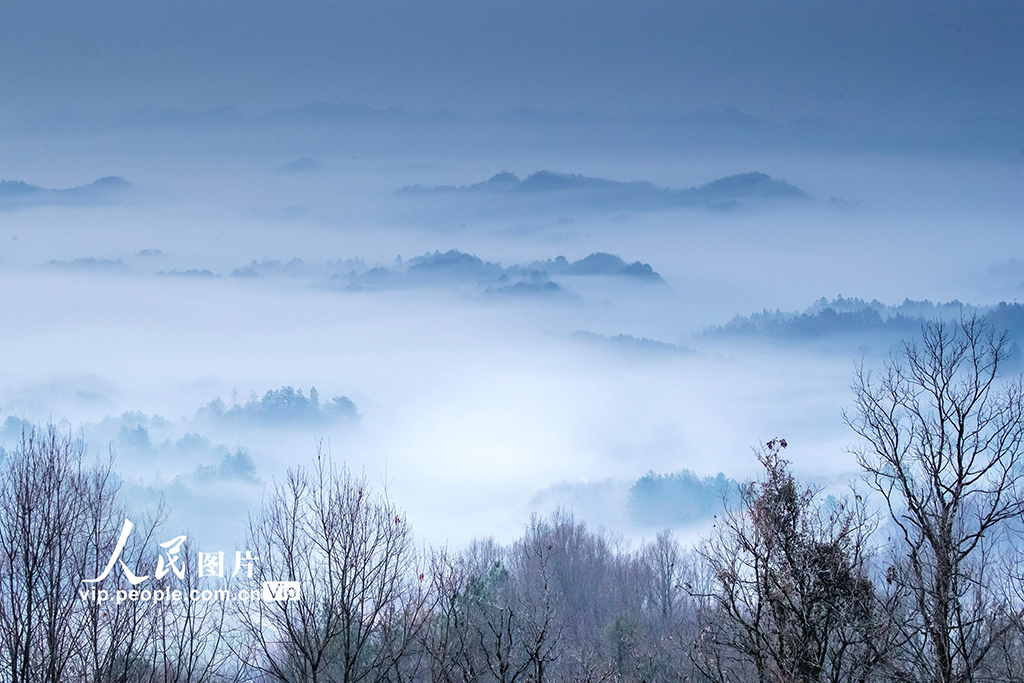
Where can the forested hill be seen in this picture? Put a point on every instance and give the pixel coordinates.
(851, 316)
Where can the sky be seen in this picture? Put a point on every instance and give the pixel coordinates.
(894, 64)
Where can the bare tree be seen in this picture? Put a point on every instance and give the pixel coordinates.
(588, 580)
(539, 624)
(445, 639)
(665, 562)
(192, 637)
(790, 600)
(40, 508)
(116, 639)
(493, 616)
(58, 522)
(362, 603)
(495, 613)
(942, 443)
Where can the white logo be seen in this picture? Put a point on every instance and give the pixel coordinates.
(170, 561)
(210, 564)
(279, 591)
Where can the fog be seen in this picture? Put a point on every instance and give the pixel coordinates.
(529, 287)
(483, 390)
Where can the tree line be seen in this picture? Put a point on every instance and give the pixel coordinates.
(914, 576)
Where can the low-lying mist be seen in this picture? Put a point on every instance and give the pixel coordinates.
(496, 355)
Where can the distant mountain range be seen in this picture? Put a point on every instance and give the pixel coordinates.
(999, 136)
(16, 193)
(324, 113)
(614, 194)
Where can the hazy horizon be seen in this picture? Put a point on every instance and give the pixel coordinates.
(913, 64)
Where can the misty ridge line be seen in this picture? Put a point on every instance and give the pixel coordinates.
(587, 191)
(840, 315)
(637, 195)
(985, 135)
(841, 318)
(537, 280)
(18, 193)
(448, 269)
(629, 344)
(846, 315)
